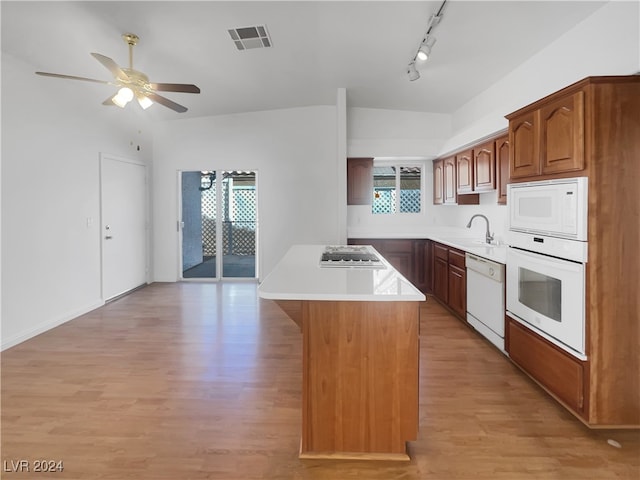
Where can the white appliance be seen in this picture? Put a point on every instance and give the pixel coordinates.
(485, 298)
(555, 208)
(547, 295)
(546, 260)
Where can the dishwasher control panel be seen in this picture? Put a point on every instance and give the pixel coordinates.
(487, 268)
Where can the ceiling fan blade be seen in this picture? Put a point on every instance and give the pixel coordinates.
(167, 103)
(112, 66)
(72, 77)
(109, 101)
(175, 87)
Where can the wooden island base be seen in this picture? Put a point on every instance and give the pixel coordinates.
(360, 377)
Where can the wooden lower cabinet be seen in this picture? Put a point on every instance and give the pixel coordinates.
(441, 272)
(458, 290)
(423, 265)
(558, 372)
(411, 257)
(450, 278)
(399, 253)
(360, 379)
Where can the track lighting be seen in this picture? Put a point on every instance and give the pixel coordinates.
(424, 49)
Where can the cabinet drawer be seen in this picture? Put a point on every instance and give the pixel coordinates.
(440, 251)
(559, 372)
(457, 258)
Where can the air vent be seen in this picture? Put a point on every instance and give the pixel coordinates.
(246, 38)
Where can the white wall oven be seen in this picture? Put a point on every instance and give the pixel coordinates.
(546, 260)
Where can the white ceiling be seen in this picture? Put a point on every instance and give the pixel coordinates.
(318, 47)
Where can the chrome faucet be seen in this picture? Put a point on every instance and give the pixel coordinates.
(488, 236)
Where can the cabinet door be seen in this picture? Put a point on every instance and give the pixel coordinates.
(458, 290)
(484, 167)
(457, 279)
(524, 160)
(464, 171)
(423, 265)
(359, 181)
(562, 134)
(438, 182)
(399, 253)
(450, 182)
(502, 168)
(559, 372)
(441, 280)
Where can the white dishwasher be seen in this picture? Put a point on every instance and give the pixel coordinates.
(485, 298)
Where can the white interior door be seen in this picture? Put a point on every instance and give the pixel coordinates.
(123, 225)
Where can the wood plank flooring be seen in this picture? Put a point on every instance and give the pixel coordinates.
(203, 381)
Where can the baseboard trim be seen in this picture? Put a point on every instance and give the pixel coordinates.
(46, 326)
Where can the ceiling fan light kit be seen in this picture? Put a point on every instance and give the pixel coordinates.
(124, 96)
(133, 83)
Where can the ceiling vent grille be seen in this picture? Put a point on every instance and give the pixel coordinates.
(246, 38)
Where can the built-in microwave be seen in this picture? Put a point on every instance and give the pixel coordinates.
(553, 208)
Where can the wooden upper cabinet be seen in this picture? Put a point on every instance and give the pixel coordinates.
(484, 167)
(548, 138)
(438, 182)
(562, 134)
(464, 171)
(502, 168)
(450, 191)
(523, 139)
(359, 181)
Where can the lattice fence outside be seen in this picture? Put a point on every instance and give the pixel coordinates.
(239, 231)
(384, 200)
(410, 201)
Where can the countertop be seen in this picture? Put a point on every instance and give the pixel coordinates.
(299, 276)
(454, 237)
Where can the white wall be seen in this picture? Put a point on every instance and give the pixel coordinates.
(295, 154)
(375, 132)
(605, 43)
(52, 133)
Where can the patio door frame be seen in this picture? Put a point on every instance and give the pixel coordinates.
(219, 230)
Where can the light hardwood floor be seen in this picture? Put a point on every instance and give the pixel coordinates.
(194, 381)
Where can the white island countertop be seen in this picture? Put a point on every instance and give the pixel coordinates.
(299, 276)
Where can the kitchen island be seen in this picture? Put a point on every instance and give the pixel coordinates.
(360, 327)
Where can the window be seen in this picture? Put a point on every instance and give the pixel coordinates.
(388, 180)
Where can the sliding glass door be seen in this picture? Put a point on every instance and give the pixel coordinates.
(219, 224)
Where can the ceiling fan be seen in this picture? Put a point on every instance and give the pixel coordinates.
(133, 83)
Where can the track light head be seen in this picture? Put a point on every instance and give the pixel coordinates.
(425, 48)
(412, 73)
